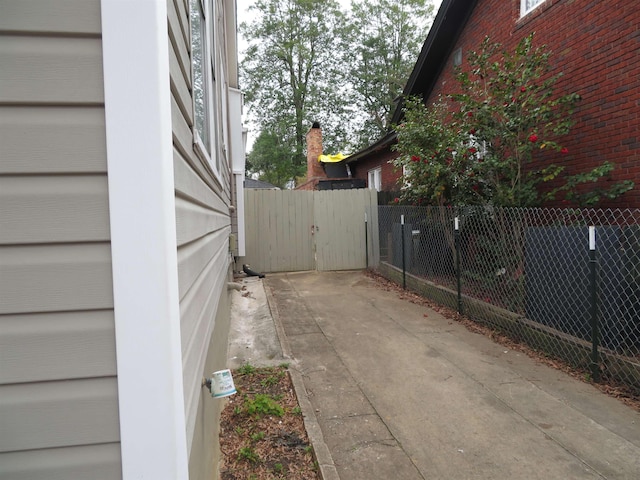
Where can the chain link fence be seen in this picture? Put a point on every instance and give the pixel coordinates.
(564, 281)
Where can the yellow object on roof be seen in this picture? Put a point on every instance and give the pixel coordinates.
(331, 158)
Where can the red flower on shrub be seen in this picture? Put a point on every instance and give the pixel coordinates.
(523, 89)
(564, 150)
(469, 114)
(533, 138)
(415, 158)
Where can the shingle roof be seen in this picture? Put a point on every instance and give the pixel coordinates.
(252, 183)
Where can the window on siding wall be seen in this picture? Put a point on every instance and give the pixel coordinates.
(406, 170)
(527, 5)
(375, 179)
(204, 99)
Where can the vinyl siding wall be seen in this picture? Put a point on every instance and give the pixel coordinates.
(203, 228)
(58, 385)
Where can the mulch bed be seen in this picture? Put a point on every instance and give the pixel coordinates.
(262, 433)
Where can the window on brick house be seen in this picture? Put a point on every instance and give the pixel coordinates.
(527, 5)
(374, 179)
(480, 147)
(406, 170)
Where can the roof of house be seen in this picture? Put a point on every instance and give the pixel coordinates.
(252, 183)
(447, 26)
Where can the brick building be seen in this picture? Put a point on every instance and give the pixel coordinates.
(595, 43)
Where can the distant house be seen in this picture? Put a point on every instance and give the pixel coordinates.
(594, 44)
(259, 184)
(121, 161)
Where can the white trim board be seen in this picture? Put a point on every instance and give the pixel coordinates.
(143, 239)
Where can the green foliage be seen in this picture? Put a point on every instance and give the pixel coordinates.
(273, 379)
(290, 77)
(308, 61)
(262, 405)
(246, 369)
(274, 160)
(385, 39)
(496, 141)
(248, 454)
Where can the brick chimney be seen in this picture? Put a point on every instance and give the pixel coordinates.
(314, 150)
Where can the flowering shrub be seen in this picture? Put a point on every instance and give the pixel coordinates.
(476, 146)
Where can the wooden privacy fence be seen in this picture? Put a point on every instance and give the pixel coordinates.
(291, 230)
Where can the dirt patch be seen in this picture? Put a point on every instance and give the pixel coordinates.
(620, 392)
(262, 433)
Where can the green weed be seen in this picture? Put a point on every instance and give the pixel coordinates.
(246, 369)
(263, 405)
(248, 454)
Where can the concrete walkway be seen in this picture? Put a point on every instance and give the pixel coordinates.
(393, 390)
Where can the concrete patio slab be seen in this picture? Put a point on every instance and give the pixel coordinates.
(398, 391)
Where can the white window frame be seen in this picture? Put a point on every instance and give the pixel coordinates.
(209, 153)
(406, 170)
(527, 6)
(374, 179)
(480, 146)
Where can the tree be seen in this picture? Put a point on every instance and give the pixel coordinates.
(477, 147)
(385, 38)
(290, 74)
(272, 159)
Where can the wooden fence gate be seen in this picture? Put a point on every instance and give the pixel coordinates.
(291, 230)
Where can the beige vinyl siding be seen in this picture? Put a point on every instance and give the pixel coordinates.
(52, 139)
(91, 461)
(56, 346)
(50, 70)
(45, 209)
(54, 17)
(202, 229)
(58, 385)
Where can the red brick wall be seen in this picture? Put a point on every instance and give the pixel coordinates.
(596, 44)
(314, 150)
(390, 175)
